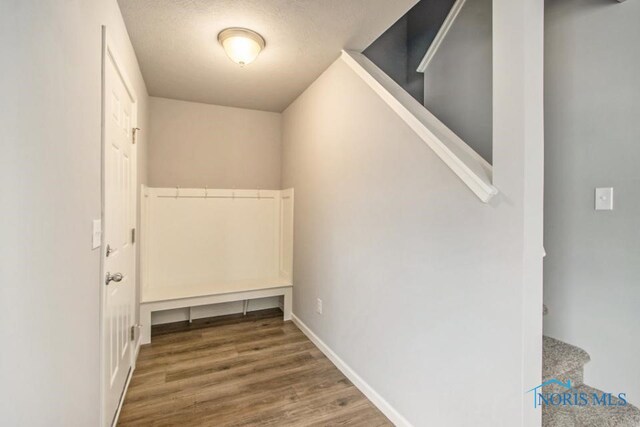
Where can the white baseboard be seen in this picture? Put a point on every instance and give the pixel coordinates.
(384, 406)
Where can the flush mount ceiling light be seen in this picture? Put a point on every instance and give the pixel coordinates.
(241, 45)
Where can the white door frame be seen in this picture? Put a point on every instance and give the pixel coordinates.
(109, 51)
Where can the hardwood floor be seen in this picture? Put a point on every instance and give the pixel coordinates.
(253, 370)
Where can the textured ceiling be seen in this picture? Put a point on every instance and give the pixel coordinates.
(177, 48)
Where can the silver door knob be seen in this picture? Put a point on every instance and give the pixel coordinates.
(113, 278)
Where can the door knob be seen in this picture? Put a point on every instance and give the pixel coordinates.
(113, 278)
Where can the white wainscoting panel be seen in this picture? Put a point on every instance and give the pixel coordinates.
(199, 242)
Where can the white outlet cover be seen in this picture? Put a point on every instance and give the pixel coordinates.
(604, 199)
(319, 306)
(96, 237)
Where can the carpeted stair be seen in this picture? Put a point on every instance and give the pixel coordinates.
(566, 362)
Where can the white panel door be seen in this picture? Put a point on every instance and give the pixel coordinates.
(119, 253)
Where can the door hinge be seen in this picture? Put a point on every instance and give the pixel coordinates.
(135, 133)
(133, 235)
(134, 331)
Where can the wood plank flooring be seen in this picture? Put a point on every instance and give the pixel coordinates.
(253, 370)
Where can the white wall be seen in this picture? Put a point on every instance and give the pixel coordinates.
(50, 173)
(193, 145)
(592, 268)
(428, 294)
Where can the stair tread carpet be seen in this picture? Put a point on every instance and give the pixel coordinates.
(591, 415)
(561, 358)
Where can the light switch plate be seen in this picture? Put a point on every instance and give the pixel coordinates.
(604, 199)
(96, 241)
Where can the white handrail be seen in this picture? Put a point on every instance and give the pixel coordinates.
(442, 34)
(470, 167)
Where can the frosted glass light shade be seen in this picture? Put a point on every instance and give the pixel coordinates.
(241, 45)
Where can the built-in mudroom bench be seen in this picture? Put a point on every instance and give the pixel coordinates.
(208, 246)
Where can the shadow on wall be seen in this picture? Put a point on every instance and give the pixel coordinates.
(399, 50)
(457, 85)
